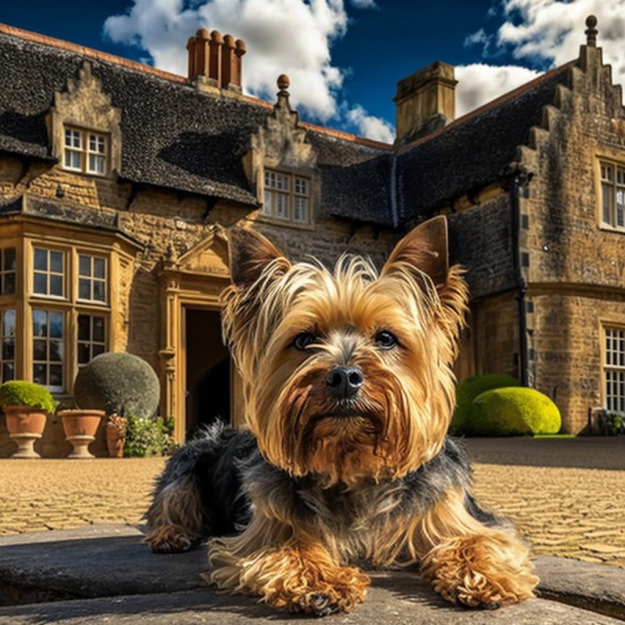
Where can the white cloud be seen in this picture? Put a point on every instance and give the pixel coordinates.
(480, 83)
(542, 34)
(162, 27)
(369, 126)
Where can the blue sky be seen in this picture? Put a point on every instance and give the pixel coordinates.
(344, 57)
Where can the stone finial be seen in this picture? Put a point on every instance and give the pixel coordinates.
(283, 83)
(591, 31)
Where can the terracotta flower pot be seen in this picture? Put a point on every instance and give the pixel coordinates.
(25, 425)
(114, 441)
(80, 427)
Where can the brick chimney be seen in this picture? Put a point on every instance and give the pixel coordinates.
(425, 102)
(216, 59)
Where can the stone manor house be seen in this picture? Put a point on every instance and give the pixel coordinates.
(117, 182)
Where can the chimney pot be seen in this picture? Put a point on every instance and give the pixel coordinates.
(216, 58)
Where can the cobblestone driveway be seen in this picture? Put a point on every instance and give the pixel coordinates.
(566, 496)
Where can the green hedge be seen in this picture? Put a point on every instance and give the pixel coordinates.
(468, 390)
(512, 412)
(22, 393)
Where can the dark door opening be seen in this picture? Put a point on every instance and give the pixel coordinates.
(208, 370)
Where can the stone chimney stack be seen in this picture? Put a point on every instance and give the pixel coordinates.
(425, 102)
(216, 59)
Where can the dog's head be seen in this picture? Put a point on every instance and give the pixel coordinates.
(347, 373)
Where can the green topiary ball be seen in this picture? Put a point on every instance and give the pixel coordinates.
(119, 383)
(514, 411)
(468, 390)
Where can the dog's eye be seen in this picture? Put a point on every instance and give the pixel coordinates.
(386, 340)
(303, 340)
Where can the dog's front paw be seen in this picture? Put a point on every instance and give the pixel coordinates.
(481, 571)
(170, 539)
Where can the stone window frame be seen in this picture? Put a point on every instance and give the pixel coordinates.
(85, 152)
(611, 183)
(71, 306)
(613, 367)
(287, 189)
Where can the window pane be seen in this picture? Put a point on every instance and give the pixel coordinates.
(84, 329)
(98, 291)
(41, 283)
(56, 285)
(84, 288)
(40, 323)
(39, 374)
(56, 262)
(40, 349)
(97, 350)
(9, 323)
(606, 195)
(56, 375)
(56, 325)
(99, 266)
(41, 260)
(56, 351)
(8, 349)
(83, 353)
(9, 259)
(84, 265)
(8, 371)
(98, 329)
(9, 284)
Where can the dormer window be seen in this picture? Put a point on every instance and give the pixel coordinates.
(85, 151)
(287, 197)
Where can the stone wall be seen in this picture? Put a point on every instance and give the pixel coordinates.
(574, 266)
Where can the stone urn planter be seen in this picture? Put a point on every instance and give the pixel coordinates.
(26, 406)
(25, 425)
(80, 426)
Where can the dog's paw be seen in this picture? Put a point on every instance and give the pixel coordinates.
(481, 571)
(170, 539)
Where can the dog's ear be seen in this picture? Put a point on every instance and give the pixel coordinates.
(426, 248)
(249, 254)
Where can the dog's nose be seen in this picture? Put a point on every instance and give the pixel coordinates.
(344, 381)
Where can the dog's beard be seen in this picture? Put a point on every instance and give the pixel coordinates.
(339, 440)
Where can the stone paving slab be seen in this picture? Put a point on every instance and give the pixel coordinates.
(73, 576)
(395, 600)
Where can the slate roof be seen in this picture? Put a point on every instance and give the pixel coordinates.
(175, 136)
(474, 150)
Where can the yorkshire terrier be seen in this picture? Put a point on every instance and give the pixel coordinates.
(345, 457)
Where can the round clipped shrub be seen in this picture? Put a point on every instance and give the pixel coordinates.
(22, 393)
(468, 390)
(119, 383)
(514, 411)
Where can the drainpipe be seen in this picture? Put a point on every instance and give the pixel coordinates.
(519, 177)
